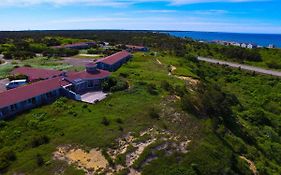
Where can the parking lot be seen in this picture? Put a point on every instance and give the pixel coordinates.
(3, 83)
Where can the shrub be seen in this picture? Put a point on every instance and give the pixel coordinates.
(166, 85)
(39, 160)
(39, 140)
(120, 86)
(151, 88)
(124, 75)
(3, 124)
(17, 77)
(119, 120)
(6, 157)
(153, 113)
(105, 121)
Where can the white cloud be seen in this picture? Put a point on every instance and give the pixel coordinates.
(109, 2)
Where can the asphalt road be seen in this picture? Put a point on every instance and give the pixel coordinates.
(242, 66)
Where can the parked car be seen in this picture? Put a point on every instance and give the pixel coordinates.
(15, 83)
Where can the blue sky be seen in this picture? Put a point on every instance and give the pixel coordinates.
(247, 16)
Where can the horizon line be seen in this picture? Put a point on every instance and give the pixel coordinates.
(151, 30)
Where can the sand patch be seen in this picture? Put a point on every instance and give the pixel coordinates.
(131, 147)
(90, 162)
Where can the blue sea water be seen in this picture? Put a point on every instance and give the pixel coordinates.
(259, 39)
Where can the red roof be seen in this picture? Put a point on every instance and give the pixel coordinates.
(112, 59)
(35, 73)
(26, 92)
(100, 74)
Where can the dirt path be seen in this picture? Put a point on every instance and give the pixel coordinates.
(158, 61)
(190, 80)
(251, 165)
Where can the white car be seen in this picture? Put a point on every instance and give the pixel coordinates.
(15, 83)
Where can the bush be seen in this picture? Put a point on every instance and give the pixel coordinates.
(166, 85)
(39, 160)
(6, 157)
(39, 140)
(105, 121)
(120, 86)
(119, 120)
(17, 77)
(3, 124)
(151, 88)
(153, 113)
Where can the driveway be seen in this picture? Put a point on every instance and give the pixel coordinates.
(3, 83)
(241, 66)
(93, 97)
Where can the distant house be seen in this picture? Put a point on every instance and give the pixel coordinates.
(271, 46)
(113, 62)
(70, 84)
(236, 44)
(251, 46)
(133, 48)
(244, 45)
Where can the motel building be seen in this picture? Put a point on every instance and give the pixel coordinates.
(49, 85)
(113, 62)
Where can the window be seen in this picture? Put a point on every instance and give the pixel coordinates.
(50, 95)
(29, 101)
(32, 100)
(90, 84)
(13, 107)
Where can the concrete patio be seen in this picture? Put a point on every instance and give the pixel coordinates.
(93, 97)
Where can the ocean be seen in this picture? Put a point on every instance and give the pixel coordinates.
(259, 39)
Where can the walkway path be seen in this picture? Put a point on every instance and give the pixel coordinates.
(242, 66)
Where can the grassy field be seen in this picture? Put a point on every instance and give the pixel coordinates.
(211, 151)
(71, 122)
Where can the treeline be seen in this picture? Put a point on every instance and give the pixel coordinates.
(159, 41)
(241, 54)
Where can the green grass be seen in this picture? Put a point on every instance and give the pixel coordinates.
(212, 151)
(5, 70)
(71, 122)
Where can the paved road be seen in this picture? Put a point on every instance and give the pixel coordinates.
(242, 66)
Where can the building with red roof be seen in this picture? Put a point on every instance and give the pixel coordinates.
(35, 74)
(54, 85)
(114, 62)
